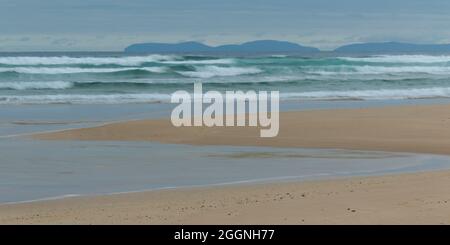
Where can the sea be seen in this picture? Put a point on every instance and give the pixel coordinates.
(119, 78)
(44, 92)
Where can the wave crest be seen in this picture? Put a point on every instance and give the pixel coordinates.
(400, 59)
(36, 85)
(65, 60)
(218, 71)
(375, 70)
(417, 93)
(70, 70)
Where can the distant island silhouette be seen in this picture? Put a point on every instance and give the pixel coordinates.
(281, 47)
(261, 46)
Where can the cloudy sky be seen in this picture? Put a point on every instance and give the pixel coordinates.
(75, 25)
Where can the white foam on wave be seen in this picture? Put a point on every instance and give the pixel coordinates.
(374, 70)
(65, 60)
(400, 59)
(84, 98)
(36, 85)
(155, 69)
(217, 71)
(200, 62)
(279, 56)
(69, 70)
(417, 93)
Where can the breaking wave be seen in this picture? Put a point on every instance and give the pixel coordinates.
(65, 60)
(214, 71)
(36, 85)
(400, 59)
(73, 70)
(370, 70)
(417, 93)
(111, 78)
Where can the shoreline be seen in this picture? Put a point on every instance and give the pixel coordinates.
(234, 184)
(413, 198)
(412, 128)
(405, 198)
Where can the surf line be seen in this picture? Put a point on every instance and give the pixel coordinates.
(190, 111)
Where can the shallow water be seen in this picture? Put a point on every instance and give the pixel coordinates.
(31, 170)
(25, 119)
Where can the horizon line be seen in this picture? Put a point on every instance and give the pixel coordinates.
(206, 43)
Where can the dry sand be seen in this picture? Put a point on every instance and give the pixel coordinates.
(421, 129)
(421, 198)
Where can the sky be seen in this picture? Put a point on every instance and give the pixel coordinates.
(111, 25)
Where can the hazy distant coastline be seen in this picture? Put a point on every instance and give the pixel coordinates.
(281, 47)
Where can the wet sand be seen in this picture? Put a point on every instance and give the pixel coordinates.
(421, 198)
(417, 129)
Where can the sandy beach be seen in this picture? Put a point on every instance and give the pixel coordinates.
(419, 129)
(421, 198)
(418, 198)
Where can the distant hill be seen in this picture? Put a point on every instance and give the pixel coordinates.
(393, 47)
(261, 46)
(267, 46)
(283, 47)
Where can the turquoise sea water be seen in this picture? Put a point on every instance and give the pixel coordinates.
(46, 92)
(116, 78)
